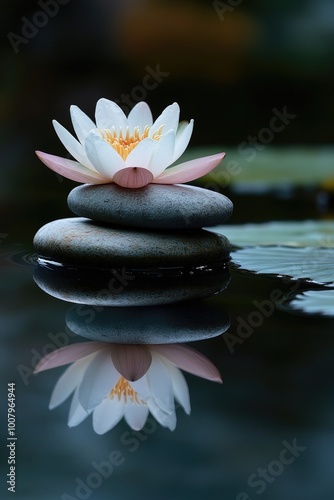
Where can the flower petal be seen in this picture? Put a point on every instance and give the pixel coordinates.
(68, 354)
(74, 147)
(165, 419)
(160, 384)
(69, 380)
(169, 118)
(107, 414)
(163, 154)
(135, 415)
(180, 387)
(190, 170)
(182, 138)
(141, 155)
(140, 116)
(71, 169)
(77, 414)
(99, 378)
(130, 360)
(108, 115)
(142, 388)
(133, 177)
(82, 124)
(189, 360)
(104, 157)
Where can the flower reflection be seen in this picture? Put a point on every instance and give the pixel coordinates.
(129, 151)
(115, 380)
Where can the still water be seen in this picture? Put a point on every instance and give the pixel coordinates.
(266, 432)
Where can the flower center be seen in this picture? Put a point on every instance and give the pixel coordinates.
(124, 389)
(125, 144)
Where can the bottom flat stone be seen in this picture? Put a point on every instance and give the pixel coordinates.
(80, 241)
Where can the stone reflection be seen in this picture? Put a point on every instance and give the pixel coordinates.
(184, 322)
(130, 287)
(134, 365)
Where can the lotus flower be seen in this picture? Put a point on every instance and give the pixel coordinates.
(116, 380)
(129, 151)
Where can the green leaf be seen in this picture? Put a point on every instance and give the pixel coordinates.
(296, 234)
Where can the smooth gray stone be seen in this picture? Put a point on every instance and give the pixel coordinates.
(154, 206)
(81, 241)
(167, 324)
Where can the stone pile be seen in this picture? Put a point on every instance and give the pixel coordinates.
(151, 229)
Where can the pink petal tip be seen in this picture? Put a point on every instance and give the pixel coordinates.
(189, 360)
(67, 354)
(133, 177)
(71, 169)
(130, 360)
(190, 170)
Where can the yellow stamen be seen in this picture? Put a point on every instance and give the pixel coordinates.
(124, 145)
(124, 389)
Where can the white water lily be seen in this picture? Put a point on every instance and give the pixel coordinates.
(112, 381)
(129, 151)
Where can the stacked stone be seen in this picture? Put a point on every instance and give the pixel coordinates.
(155, 227)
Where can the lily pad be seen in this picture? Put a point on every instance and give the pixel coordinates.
(314, 302)
(268, 168)
(296, 233)
(309, 263)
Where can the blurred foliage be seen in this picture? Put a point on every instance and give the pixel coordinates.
(227, 74)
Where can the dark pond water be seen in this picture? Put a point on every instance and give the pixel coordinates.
(266, 432)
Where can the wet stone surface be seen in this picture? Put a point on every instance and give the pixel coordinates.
(81, 241)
